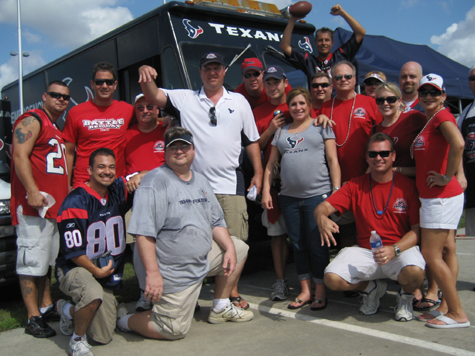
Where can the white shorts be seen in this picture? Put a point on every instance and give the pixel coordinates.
(441, 213)
(273, 229)
(38, 244)
(470, 222)
(356, 264)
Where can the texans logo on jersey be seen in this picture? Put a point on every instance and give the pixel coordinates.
(420, 142)
(294, 143)
(400, 205)
(470, 145)
(305, 45)
(360, 112)
(192, 31)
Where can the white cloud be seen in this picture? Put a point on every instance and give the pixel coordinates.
(458, 41)
(31, 37)
(9, 70)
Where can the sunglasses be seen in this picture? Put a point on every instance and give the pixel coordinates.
(433, 93)
(383, 154)
(346, 76)
(372, 83)
(472, 78)
(100, 82)
(318, 85)
(389, 99)
(213, 121)
(253, 74)
(55, 95)
(142, 108)
(183, 148)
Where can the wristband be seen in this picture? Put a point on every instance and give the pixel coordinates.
(127, 178)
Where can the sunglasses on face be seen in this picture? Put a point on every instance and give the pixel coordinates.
(213, 120)
(100, 82)
(472, 78)
(346, 76)
(383, 154)
(183, 148)
(372, 83)
(149, 108)
(433, 93)
(55, 95)
(389, 99)
(318, 85)
(254, 74)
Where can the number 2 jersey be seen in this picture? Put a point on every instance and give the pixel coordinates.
(91, 225)
(48, 166)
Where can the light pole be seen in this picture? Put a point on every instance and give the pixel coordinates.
(20, 60)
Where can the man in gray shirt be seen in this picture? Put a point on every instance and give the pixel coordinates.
(181, 238)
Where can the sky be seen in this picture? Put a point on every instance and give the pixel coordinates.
(52, 28)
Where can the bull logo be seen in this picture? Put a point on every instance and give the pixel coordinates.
(305, 45)
(192, 31)
(470, 145)
(294, 143)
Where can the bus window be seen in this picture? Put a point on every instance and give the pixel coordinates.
(171, 78)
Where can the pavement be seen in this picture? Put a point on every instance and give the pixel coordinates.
(276, 330)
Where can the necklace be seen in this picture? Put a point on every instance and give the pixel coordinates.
(373, 205)
(427, 123)
(349, 124)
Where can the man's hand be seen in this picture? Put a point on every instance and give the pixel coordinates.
(229, 262)
(168, 122)
(337, 10)
(257, 181)
(133, 184)
(105, 271)
(153, 286)
(323, 120)
(384, 255)
(327, 228)
(37, 200)
(147, 74)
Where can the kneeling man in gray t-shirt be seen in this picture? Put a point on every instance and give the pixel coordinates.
(181, 238)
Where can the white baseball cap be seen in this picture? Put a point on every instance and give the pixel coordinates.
(432, 79)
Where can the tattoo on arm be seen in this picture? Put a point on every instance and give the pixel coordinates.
(22, 137)
(27, 121)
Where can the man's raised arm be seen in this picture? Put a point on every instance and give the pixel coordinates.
(155, 95)
(359, 30)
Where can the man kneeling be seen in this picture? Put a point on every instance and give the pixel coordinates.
(181, 238)
(387, 202)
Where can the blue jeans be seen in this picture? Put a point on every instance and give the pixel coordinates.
(310, 257)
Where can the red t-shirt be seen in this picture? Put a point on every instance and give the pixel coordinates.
(431, 152)
(402, 211)
(403, 132)
(351, 155)
(90, 127)
(315, 112)
(48, 165)
(253, 101)
(144, 151)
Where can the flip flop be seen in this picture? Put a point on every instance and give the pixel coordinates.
(297, 300)
(238, 300)
(319, 301)
(434, 305)
(449, 323)
(434, 313)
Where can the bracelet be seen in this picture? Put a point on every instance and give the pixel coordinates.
(447, 179)
(127, 178)
(335, 188)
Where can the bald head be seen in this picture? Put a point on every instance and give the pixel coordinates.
(409, 77)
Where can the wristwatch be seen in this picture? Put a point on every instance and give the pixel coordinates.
(447, 179)
(397, 251)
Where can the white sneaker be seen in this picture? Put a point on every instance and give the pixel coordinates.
(143, 304)
(80, 348)
(66, 325)
(281, 290)
(121, 312)
(230, 313)
(404, 309)
(371, 300)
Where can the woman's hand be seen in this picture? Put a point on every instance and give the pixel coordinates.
(434, 179)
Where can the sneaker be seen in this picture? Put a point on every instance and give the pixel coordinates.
(66, 325)
(121, 312)
(281, 290)
(371, 300)
(79, 348)
(37, 327)
(51, 314)
(404, 308)
(230, 313)
(143, 304)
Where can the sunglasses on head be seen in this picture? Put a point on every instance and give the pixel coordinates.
(383, 154)
(346, 76)
(213, 120)
(318, 85)
(100, 82)
(389, 99)
(433, 93)
(253, 74)
(472, 78)
(55, 95)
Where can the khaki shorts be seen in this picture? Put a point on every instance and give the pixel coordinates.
(235, 215)
(172, 314)
(83, 288)
(38, 244)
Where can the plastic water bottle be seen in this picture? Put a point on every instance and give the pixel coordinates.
(375, 241)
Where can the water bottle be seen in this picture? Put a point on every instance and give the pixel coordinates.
(375, 241)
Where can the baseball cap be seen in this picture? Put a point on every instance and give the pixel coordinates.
(376, 75)
(186, 137)
(140, 96)
(212, 57)
(274, 72)
(251, 63)
(432, 79)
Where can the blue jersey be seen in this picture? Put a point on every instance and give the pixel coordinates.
(91, 225)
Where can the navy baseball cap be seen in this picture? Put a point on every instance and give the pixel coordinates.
(212, 57)
(186, 137)
(274, 72)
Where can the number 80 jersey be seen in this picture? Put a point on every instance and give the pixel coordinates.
(91, 225)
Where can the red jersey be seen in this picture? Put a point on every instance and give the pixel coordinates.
(144, 151)
(431, 152)
(48, 165)
(365, 114)
(315, 112)
(402, 210)
(261, 99)
(403, 132)
(90, 127)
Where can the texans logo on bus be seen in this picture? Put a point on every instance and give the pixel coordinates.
(192, 31)
(400, 205)
(470, 145)
(294, 143)
(305, 45)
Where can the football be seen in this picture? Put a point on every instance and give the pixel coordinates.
(300, 9)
